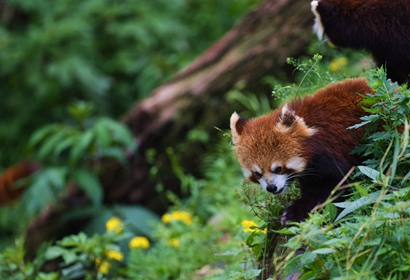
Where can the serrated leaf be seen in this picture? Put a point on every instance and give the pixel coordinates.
(356, 126)
(308, 257)
(361, 190)
(331, 211)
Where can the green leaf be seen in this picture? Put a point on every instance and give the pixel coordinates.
(294, 265)
(54, 252)
(44, 189)
(323, 251)
(79, 150)
(331, 211)
(63, 145)
(370, 172)
(113, 132)
(354, 205)
(90, 184)
(140, 218)
(252, 273)
(308, 257)
(338, 242)
(40, 134)
(103, 135)
(51, 143)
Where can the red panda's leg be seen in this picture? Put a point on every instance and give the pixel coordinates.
(325, 173)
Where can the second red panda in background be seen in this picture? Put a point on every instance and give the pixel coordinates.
(306, 139)
(381, 27)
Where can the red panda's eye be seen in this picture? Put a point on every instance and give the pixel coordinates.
(277, 170)
(257, 174)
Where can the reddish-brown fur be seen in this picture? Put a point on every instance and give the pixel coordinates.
(379, 26)
(318, 134)
(8, 190)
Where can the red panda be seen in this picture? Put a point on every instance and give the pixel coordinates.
(306, 139)
(378, 26)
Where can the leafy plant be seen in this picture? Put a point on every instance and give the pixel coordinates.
(369, 237)
(71, 153)
(110, 53)
(13, 264)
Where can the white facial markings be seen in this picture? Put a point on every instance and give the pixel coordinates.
(318, 26)
(298, 164)
(263, 183)
(273, 166)
(279, 180)
(257, 168)
(246, 172)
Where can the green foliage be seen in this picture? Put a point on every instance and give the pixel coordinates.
(84, 256)
(70, 151)
(110, 53)
(388, 111)
(176, 252)
(14, 266)
(86, 139)
(201, 236)
(369, 239)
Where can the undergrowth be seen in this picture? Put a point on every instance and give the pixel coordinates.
(367, 238)
(225, 230)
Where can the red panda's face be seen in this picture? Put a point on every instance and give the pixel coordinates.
(271, 149)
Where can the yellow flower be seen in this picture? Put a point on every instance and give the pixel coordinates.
(177, 216)
(337, 63)
(102, 266)
(139, 242)
(114, 255)
(174, 242)
(166, 218)
(114, 224)
(247, 224)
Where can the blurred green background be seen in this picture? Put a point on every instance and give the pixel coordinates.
(110, 53)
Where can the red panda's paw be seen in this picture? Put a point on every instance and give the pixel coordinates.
(296, 212)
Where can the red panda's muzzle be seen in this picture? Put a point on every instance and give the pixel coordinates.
(272, 188)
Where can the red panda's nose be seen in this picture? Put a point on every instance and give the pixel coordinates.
(272, 188)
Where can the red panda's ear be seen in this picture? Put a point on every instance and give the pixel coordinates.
(237, 124)
(289, 122)
(287, 118)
